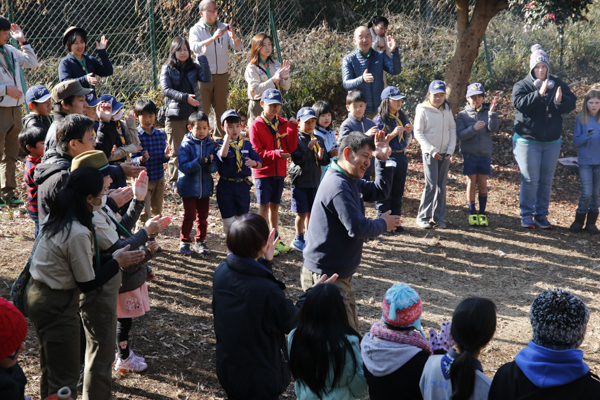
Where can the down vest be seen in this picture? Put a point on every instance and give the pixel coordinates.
(174, 89)
(355, 64)
(195, 179)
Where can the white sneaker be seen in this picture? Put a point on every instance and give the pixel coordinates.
(132, 364)
(424, 223)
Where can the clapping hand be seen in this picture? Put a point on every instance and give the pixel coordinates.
(104, 111)
(321, 153)
(156, 224)
(391, 221)
(102, 44)
(312, 143)
(558, 97)
(334, 152)
(218, 33)
(382, 146)
(284, 71)
(121, 196)
(293, 121)
(271, 242)
(145, 156)
(479, 125)
(398, 131)
(493, 105)
(91, 80)
(372, 132)
(126, 258)
(140, 186)
(391, 42)
(17, 33)
(169, 152)
(250, 163)
(408, 128)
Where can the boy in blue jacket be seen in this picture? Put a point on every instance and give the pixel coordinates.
(195, 182)
(235, 159)
(305, 172)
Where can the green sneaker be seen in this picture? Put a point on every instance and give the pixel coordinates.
(3, 203)
(275, 253)
(482, 219)
(473, 219)
(282, 248)
(14, 202)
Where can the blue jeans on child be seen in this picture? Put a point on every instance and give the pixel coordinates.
(590, 188)
(34, 218)
(537, 162)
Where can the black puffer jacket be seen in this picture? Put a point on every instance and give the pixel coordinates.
(51, 176)
(39, 121)
(305, 170)
(252, 317)
(176, 90)
(540, 117)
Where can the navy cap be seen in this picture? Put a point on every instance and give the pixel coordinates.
(37, 94)
(391, 92)
(437, 87)
(306, 113)
(475, 88)
(113, 102)
(271, 96)
(91, 100)
(229, 113)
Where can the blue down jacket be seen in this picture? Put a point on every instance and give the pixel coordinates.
(194, 178)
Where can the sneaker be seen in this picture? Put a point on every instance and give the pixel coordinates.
(136, 357)
(482, 219)
(527, 222)
(473, 219)
(201, 248)
(298, 244)
(543, 223)
(440, 224)
(282, 248)
(14, 202)
(399, 229)
(424, 223)
(132, 364)
(3, 203)
(184, 248)
(275, 253)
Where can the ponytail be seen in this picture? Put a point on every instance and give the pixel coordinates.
(473, 326)
(377, 20)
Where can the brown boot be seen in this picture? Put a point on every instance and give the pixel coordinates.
(590, 227)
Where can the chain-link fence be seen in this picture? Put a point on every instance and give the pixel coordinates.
(139, 31)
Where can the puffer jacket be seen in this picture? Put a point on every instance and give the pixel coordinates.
(195, 179)
(305, 169)
(435, 129)
(51, 176)
(540, 117)
(355, 64)
(38, 121)
(472, 142)
(70, 68)
(172, 87)
(24, 58)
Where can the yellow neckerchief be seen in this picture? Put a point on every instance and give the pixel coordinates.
(121, 134)
(441, 108)
(274, 126)
(237, 150)
(478, 109)
(316, 147)
(396, 117)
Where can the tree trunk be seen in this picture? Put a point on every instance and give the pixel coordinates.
(469, 36)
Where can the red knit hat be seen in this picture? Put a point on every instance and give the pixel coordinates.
(13, 328)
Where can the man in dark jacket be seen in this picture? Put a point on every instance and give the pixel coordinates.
(363, 68)
(540, 100)
(551, 366)
(338, 224)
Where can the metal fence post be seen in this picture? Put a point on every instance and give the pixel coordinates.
(152, 30)
(276, 40)
(487, 59)
(16, 45)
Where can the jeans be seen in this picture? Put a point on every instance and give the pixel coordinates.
(34, 218)
(537, 162)
(590, 188)
(394, 201)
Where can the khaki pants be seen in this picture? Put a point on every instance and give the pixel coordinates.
(309, 278)
(175, 131)
(54, 315)
(10, 127)
(215, 93)
(153, 202)
(254, 110)
(98, 310)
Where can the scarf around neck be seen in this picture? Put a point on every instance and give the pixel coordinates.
(414, 338)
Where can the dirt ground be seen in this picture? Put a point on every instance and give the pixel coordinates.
(503, 262)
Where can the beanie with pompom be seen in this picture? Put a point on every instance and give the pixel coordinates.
(538, 55)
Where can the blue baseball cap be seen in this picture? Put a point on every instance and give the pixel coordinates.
(475, 88)
(391, 92)
(306, 113)
(271, 96)
(229, 113)
(37, 94)
(116, 106)
(91, 100)
(437, 87)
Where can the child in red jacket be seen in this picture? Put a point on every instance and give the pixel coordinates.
(274, 138)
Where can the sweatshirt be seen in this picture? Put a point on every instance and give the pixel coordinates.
(586, 137)
(435, 129)
(24, 58)
(217, 53)
(339, 206)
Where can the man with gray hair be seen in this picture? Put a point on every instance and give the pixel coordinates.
(212, 38)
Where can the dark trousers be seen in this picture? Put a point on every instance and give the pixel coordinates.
(394, 201)
(194, 209)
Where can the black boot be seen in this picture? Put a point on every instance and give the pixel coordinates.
(591, 222)
(577, 226)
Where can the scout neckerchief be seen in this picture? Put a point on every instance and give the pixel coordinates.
(121, 134)
(396, 118)
(4, 52)
(316, 147)
(478, 109)
(237, 150)
(365, 55)
(80, 62)
(274, 127)
(266, 67)
(441, 108)
(211, 28)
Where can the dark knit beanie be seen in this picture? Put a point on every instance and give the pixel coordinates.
(558, 319)
(13, 328)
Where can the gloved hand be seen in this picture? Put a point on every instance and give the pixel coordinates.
(443, 340)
